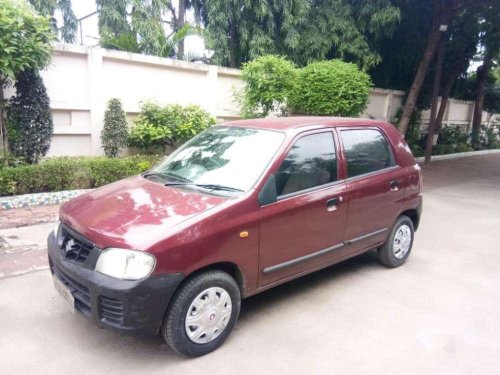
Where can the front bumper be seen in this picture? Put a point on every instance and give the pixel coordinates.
(132, 307)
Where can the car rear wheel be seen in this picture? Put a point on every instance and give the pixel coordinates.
(398, 246)
(202, 313)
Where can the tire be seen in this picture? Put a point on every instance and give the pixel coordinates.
(207, 289)
(390, 254)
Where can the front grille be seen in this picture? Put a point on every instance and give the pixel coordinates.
(80, 292)
(111, 309)
(74, 247)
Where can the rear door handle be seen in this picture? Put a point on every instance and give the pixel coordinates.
(394, 185)
(333, 203)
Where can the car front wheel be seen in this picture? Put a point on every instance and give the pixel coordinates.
(398, 246)
(202, 313)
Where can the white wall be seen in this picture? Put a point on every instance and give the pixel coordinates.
(81, 79)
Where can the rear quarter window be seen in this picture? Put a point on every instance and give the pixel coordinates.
(366, 151)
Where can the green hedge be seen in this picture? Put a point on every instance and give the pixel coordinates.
(441, 149)
(167, 126)
(66, 173)
(268, 83)
(333, 88)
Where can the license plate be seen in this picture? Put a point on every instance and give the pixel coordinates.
(64, 291)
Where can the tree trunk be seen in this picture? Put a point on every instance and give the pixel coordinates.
(435, 95)
(232, 45)
(4, 145)
(181, 20)
(445, 94)
(442, 14)
(482, 74)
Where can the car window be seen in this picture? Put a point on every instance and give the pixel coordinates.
(366, 150)
(310, 162)
(224, 155)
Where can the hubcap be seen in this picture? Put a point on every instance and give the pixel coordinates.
(208, 315)
(402, 241)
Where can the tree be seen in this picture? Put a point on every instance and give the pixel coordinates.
(465, 89)
(401, 53)
(443, 13)
(143, 29)
(112, 17)
(490, 40)
(49, 7)
(25, 39)
(492, 96)
(179, 21)
(30, 118)
(461, 43)
(240, 30)
(461, 47)
(70, 25)
(115, 130)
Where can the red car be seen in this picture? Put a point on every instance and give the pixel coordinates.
(239, 209)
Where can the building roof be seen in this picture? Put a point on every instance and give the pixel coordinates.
(284, 123)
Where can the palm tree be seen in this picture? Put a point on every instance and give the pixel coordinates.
(139, 27)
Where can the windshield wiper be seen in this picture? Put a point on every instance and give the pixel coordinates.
(204, 186)
(168, 176)
(217, 187)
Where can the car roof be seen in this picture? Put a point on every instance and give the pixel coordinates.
(285, 123)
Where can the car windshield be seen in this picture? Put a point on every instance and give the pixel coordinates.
(230, 158)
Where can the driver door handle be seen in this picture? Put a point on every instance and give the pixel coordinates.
(394, 185)
(333, 203)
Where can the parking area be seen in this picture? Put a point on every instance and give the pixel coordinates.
(439, 313)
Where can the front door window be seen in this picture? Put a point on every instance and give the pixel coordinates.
(310, 162)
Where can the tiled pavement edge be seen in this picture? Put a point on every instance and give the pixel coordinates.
(38, 199)
(22, 217)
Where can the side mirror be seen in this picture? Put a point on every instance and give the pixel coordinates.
(268, 194)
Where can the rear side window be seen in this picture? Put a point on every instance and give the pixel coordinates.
(310, 162)
(366, 150)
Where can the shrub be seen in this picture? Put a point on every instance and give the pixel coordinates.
(492, 137)
(8, 159)
(189, 121)
(170, 125)
(268, 82)
(29, 118)
(114, 132)
(144, 136)
(65, 173)
(331, 88)
(417, 151)
(443, 149)
(463, 147)
(451, 135)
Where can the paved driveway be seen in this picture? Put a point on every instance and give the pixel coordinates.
(438, 314)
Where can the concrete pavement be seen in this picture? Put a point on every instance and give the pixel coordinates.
(439, 313)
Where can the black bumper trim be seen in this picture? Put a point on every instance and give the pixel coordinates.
(131, 307)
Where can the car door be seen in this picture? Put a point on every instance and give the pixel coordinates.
(374, 185)
(305, 226)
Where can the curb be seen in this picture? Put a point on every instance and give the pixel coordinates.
(38, 199)
(458, 155)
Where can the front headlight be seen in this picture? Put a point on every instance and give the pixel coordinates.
(125, 264)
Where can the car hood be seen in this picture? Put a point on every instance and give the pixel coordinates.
(134, 213)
